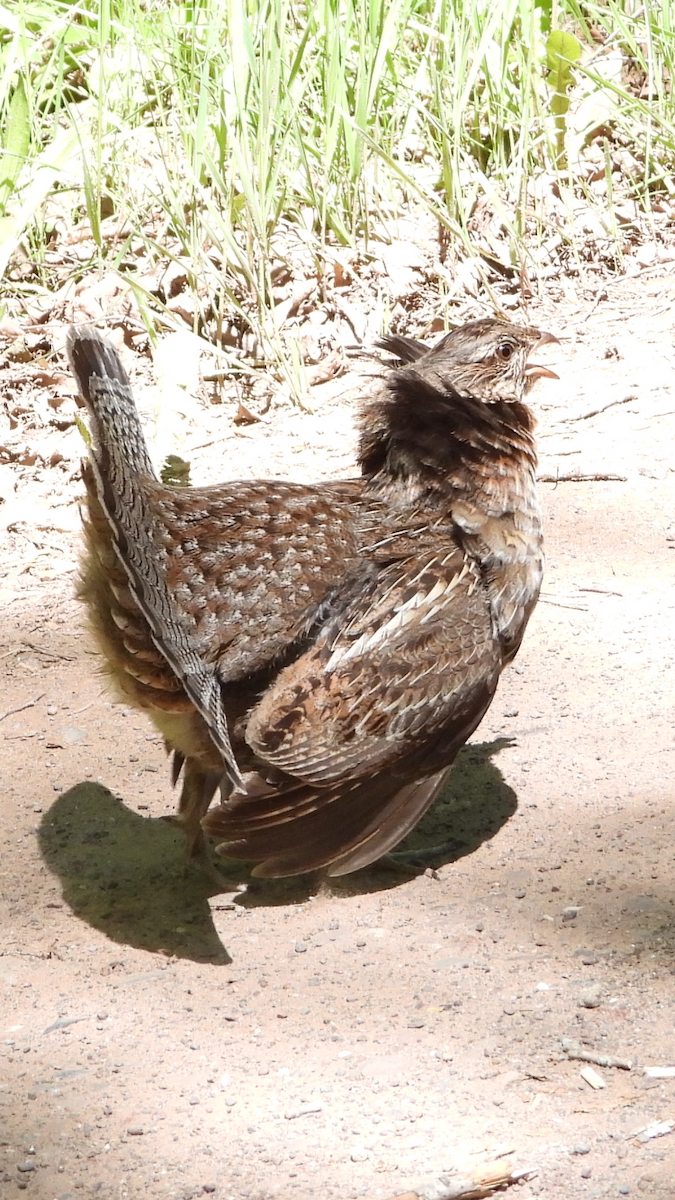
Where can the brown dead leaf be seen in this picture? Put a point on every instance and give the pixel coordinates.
(244, 416)
(341, 274)
(18, 351)
(288, 308)
(330, 366)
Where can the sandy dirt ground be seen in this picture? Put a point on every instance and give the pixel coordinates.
(295, 1039)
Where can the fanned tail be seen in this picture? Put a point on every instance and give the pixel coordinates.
(124, 478)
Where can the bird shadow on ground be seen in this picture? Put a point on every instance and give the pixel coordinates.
(471, 809)
(127, 876)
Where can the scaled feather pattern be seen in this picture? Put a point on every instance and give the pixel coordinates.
(319, 654)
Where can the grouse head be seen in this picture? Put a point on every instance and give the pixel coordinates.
(461, 400)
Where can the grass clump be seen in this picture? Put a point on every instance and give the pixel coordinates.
(249, 142)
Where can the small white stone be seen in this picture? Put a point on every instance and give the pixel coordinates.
(359, 1154)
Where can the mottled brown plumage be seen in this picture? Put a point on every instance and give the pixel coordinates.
(321, 653)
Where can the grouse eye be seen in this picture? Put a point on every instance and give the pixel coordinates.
(504, 351)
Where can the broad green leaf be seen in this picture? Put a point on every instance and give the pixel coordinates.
(15, 142)
(562, 49)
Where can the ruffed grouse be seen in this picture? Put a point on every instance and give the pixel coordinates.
(321, 653)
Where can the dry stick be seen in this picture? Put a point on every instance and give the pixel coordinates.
(657, 417)
(31, 703)
(601, 1060)
(562, 604)
(600, 591)
(49, 653)
(548, 478)
(573, 1050)
(596, 411)
(86, 706)
(481, 1182)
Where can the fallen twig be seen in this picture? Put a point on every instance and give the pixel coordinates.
(86, 706)
(596, 411)
(600, 591)
(574, 1050)
(563, 604)
(49, 653)
(481, 1181)
(29, 704)
(63, 1023)
(303, 1110)
(581, 478)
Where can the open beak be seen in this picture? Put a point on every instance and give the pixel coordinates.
(534, 370)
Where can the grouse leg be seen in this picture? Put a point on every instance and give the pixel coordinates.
(198, 790)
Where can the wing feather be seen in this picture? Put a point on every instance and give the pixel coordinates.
(406, 664)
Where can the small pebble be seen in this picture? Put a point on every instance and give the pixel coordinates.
(28, 1165)
(135, 1130)
(102, 1016)
(591, 997)
(300, 948)
(520, 895)
(208, 1187)
(570, 914)
(586, 1172)
(589, 960)
(624, 1190)
(416, 1023)
(230, 1101)
(510, 1009)
(359, 1154)
(581, 1148)
(480, 927)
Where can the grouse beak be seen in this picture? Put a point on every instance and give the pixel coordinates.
(534, 370)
